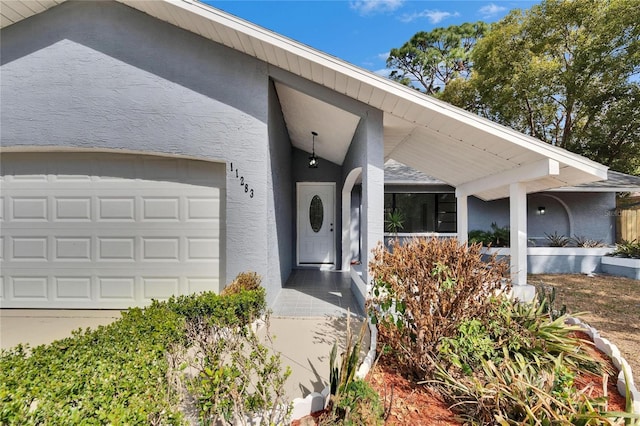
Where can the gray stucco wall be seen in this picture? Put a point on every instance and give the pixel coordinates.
(100, 75)
(366, 151)
(280, 207)
(585, 214)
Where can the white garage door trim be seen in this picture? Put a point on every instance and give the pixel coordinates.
(108, 231)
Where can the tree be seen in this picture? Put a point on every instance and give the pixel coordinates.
(430, 60)
(565, 72)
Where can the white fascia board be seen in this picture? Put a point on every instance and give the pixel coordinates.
(528, 172)
(593, 189)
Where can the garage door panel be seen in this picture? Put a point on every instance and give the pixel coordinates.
(116, 248)
(31, 249)
(76, 288)
(202, 209)
(29, 209)
(116, 209)
(29, 287)
(156, 248)
(120, 287)
(77, 249)
(199, 284)
(161, 209)
(72, 209)
(147, 228)
(160, 287)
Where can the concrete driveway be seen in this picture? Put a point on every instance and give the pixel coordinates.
(43, 326)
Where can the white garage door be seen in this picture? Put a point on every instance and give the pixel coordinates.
(107, 230)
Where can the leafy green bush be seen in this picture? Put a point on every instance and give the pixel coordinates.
(238, 378)
(628, 249)
(116, 373)
(358, 404)
(497, 237)
(424, 290)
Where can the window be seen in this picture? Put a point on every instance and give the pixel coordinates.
(424, 212)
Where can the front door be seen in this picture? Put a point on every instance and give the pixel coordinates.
(316, 237)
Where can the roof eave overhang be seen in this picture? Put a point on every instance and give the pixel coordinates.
(414, 109)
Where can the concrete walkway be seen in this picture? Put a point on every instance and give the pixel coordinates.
(305, 345)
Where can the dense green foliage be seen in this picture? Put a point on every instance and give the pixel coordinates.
(565, 72)
(498, 236)
(430, 60)
(627, 249)
(116, 373)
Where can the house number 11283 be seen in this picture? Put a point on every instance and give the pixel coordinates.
(245, 185)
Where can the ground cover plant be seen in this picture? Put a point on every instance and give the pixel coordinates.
(495, 361)
(627, 249)
(118, 374)
(610, 304)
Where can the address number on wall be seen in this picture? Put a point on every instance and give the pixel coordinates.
(235, 172)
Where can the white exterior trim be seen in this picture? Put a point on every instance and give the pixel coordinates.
(532, 171)
(518, 230)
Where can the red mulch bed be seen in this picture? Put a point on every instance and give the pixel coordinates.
(414, 404)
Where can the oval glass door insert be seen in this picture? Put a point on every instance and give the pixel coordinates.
(316, 213)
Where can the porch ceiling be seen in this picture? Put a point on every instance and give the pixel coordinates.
(436, 138)
(304, 113)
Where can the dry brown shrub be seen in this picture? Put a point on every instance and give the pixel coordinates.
(424, 289)
(244, 281)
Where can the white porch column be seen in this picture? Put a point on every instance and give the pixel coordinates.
(518, 249)
(462, 216)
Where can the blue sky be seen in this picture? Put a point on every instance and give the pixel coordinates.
(363, 31)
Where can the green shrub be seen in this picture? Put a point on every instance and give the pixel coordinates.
(627, 249)
(114, 374)
(117, 373)
(238, 377)
(359, 404)
(424, 290)
(497, 237)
